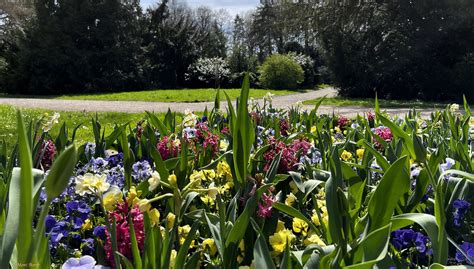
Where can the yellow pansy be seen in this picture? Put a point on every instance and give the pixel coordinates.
(87, 225)
(209, 174)
(223, 171)
(208, 244)
(290, 199)
(300, 226)
(360, 153)
(346, 155)
(279, 240)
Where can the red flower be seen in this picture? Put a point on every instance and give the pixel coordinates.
(167, 148)
(342, 122)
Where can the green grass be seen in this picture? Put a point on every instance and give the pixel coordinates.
(342, 101)
(84, 134)
(181, 95)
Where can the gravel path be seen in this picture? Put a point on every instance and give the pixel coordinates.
(283, 101)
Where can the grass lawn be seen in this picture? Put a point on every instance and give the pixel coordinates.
(8, 132)
(368, 102)
(181, 95)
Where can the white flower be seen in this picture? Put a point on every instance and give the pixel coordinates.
(454, 108)
(268, 97)
(50, 122)
(190, 119)
(90, 183)
(154, 181)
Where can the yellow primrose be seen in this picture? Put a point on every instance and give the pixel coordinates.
(208, 244)
(346, 155)
(111, 198)
(300, 226)
(279, 240)
(87, 225)
(154, 181)
(314, 239)
(290, 199)
(154, 216)
(170, 220)
(360, 153)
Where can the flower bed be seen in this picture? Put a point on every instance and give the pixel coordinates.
(253, 187)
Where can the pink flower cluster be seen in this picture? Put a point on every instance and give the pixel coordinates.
(46, 153)
(290, 154)
(342, 122)
(124, 244)
(265, 207)
(167, 149)
(385, 133)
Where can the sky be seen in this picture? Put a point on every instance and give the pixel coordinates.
(233, 6)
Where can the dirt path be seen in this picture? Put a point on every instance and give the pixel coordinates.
(283, 101)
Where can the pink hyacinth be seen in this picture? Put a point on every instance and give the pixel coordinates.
(123, 233)
(46, 153)
(167, 149)
(385, 133)
(289, 154)
(265, 207)
(342, 122)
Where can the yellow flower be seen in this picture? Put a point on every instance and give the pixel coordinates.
(208, 244)
(112, 198)
(279, 240)
(280, 226)
(144, 205)
(212, 191)
(223, 170)
(360, 153)
(183, 232)
(133, 196)
(313, 129)
(314, 239)
(207, 200)
(293, 187)
(170, 220)
(197, 176)
(87, 225)
(315, 218)
(209, 174)
(173, 180)
(154, 181)
(337, 129)
(346, 155)
(154, 216)
(90, 183)
(173, 258)
(240, 256)
(300, 226)
(190, 119)
(223, 144)
(290, 199)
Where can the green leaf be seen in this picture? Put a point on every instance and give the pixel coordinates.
(371, 249)
(133, 240)
(398, 132)
(60, 172)
(25, 234)
(240, 226)
(261, 253)
(394, 183)
(286, 260)
(420, 150)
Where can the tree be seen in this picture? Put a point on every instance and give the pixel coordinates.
(211, 69)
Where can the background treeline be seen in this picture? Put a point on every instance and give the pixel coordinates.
(400, 49)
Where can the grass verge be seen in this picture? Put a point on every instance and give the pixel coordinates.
(72, 119)
(368, 102)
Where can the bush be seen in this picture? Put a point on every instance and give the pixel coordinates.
(280, 72)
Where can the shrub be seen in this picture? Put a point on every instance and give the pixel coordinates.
(280, 72)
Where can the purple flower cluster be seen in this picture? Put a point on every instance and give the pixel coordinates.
(461, 207)
(468, 248)
(413, 243)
